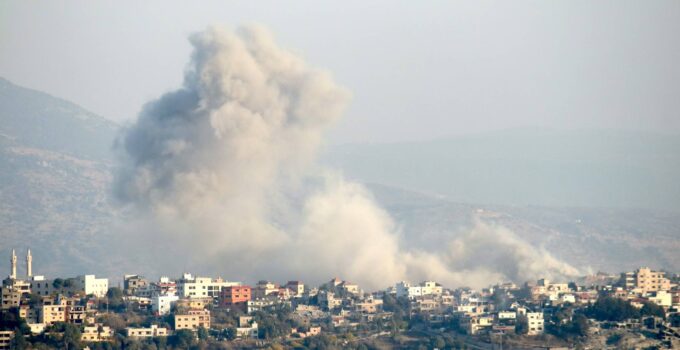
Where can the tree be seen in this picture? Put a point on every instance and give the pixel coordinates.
(71, 338)
(202, 333)
(651, 309)
(19, 341)
(522, 325)
(230, 333)
(580, 325)
(612, 309)
(182, 339)
(58, 283)
(115, 300)
(437, 342)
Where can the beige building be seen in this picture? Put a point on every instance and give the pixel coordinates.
(535, 323)
(10, 298)
(153, 331)
(96, 333)
(193, 319)
(6, 339)
(50, 314)
(644, 280)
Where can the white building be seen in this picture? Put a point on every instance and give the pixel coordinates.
(405, 289)
(201, 287)
(162, 304)
(92, 285)
(535, 323)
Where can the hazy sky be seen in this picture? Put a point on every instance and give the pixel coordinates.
(417, 70)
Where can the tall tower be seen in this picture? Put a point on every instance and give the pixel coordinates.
(14, 265)
(29, 264)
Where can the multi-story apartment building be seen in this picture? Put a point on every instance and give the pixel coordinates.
(133, 283)
(644, 280)
(535, 323)
(6, 339)
(50, 314)
(405, 289)
(162, 304)
(236, 296)
(201, 287)
(193, 319)
(10, 298)
(91, 285)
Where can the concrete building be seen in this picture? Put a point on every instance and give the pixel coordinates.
(153, 331)
(162, 304)
(91, 285)
(247, 328)
(193, 319)
(201, 287)
(535, 323)
(644, 280)
(6, 339)
(661, 298)
(50, 314)
(236, 296)
(134, 283)
(10, 298)
(41, 286)
(96, 333)
(405, 289)
(297, 287)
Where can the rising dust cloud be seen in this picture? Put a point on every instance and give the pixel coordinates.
(224, 169)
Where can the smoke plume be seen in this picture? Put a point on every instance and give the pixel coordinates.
(223, 170)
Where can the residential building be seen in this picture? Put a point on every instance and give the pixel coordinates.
(236, 296)
(297, 287)
(42, 286)
(153, 331)
(96, 333)
(91, 285)
(644, 280)
(162, 304)
(201, 287)
(247, 328)
(134, 283)
(405, 289)
(535, 323)
(6, 339)
(193, 319)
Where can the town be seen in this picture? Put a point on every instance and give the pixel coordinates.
(637, 309)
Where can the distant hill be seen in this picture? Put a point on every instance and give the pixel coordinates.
(55, 169)
(56, 164)
(605, 239)
(34, 119)
(588, 168)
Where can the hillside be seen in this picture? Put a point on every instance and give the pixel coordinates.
(56, 164)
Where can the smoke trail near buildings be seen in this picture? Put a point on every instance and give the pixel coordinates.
(224, 168)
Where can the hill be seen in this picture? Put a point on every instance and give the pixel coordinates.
(56, 164)
(55, 169)
(583, 168)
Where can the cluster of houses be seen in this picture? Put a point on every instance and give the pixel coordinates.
(337, 303)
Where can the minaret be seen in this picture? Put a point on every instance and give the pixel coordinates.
(14, 265)
(29, 264)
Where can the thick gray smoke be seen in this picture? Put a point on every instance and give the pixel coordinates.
(223, 169)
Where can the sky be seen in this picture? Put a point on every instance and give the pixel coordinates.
(416, 70)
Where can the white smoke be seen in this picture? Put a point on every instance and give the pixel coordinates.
(223, 169)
